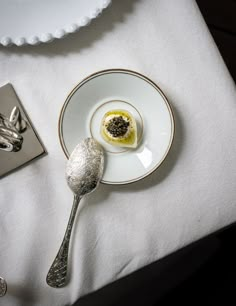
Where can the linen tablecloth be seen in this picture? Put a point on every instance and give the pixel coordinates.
(119, 229)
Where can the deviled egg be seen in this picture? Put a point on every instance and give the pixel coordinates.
(119, 128)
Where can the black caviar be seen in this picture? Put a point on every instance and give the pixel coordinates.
(117, 126)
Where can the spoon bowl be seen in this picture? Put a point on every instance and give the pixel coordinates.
(84, 168)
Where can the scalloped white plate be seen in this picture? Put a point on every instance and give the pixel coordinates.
(35, 21)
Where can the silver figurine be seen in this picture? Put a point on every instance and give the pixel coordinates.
(10, 131)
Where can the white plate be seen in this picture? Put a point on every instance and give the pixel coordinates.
(85, 106)
(34, 21)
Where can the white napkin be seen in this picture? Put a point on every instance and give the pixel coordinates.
(119, 229)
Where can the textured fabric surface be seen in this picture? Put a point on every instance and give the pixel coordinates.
(119, 229)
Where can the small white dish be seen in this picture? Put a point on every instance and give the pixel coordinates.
(84, 108)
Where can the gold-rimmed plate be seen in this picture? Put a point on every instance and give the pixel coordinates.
(86, 105)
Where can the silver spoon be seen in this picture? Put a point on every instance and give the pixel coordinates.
(3, 286)
(84, 172)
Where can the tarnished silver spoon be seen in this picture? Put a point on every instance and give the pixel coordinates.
(84, 172)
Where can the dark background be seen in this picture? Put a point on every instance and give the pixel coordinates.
(204, 273)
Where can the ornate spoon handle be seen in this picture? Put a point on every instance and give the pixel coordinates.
(56, 276)
(3, 286)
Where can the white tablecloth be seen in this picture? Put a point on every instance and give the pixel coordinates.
(119, 229)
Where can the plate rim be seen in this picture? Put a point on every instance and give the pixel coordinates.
(125, 71)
